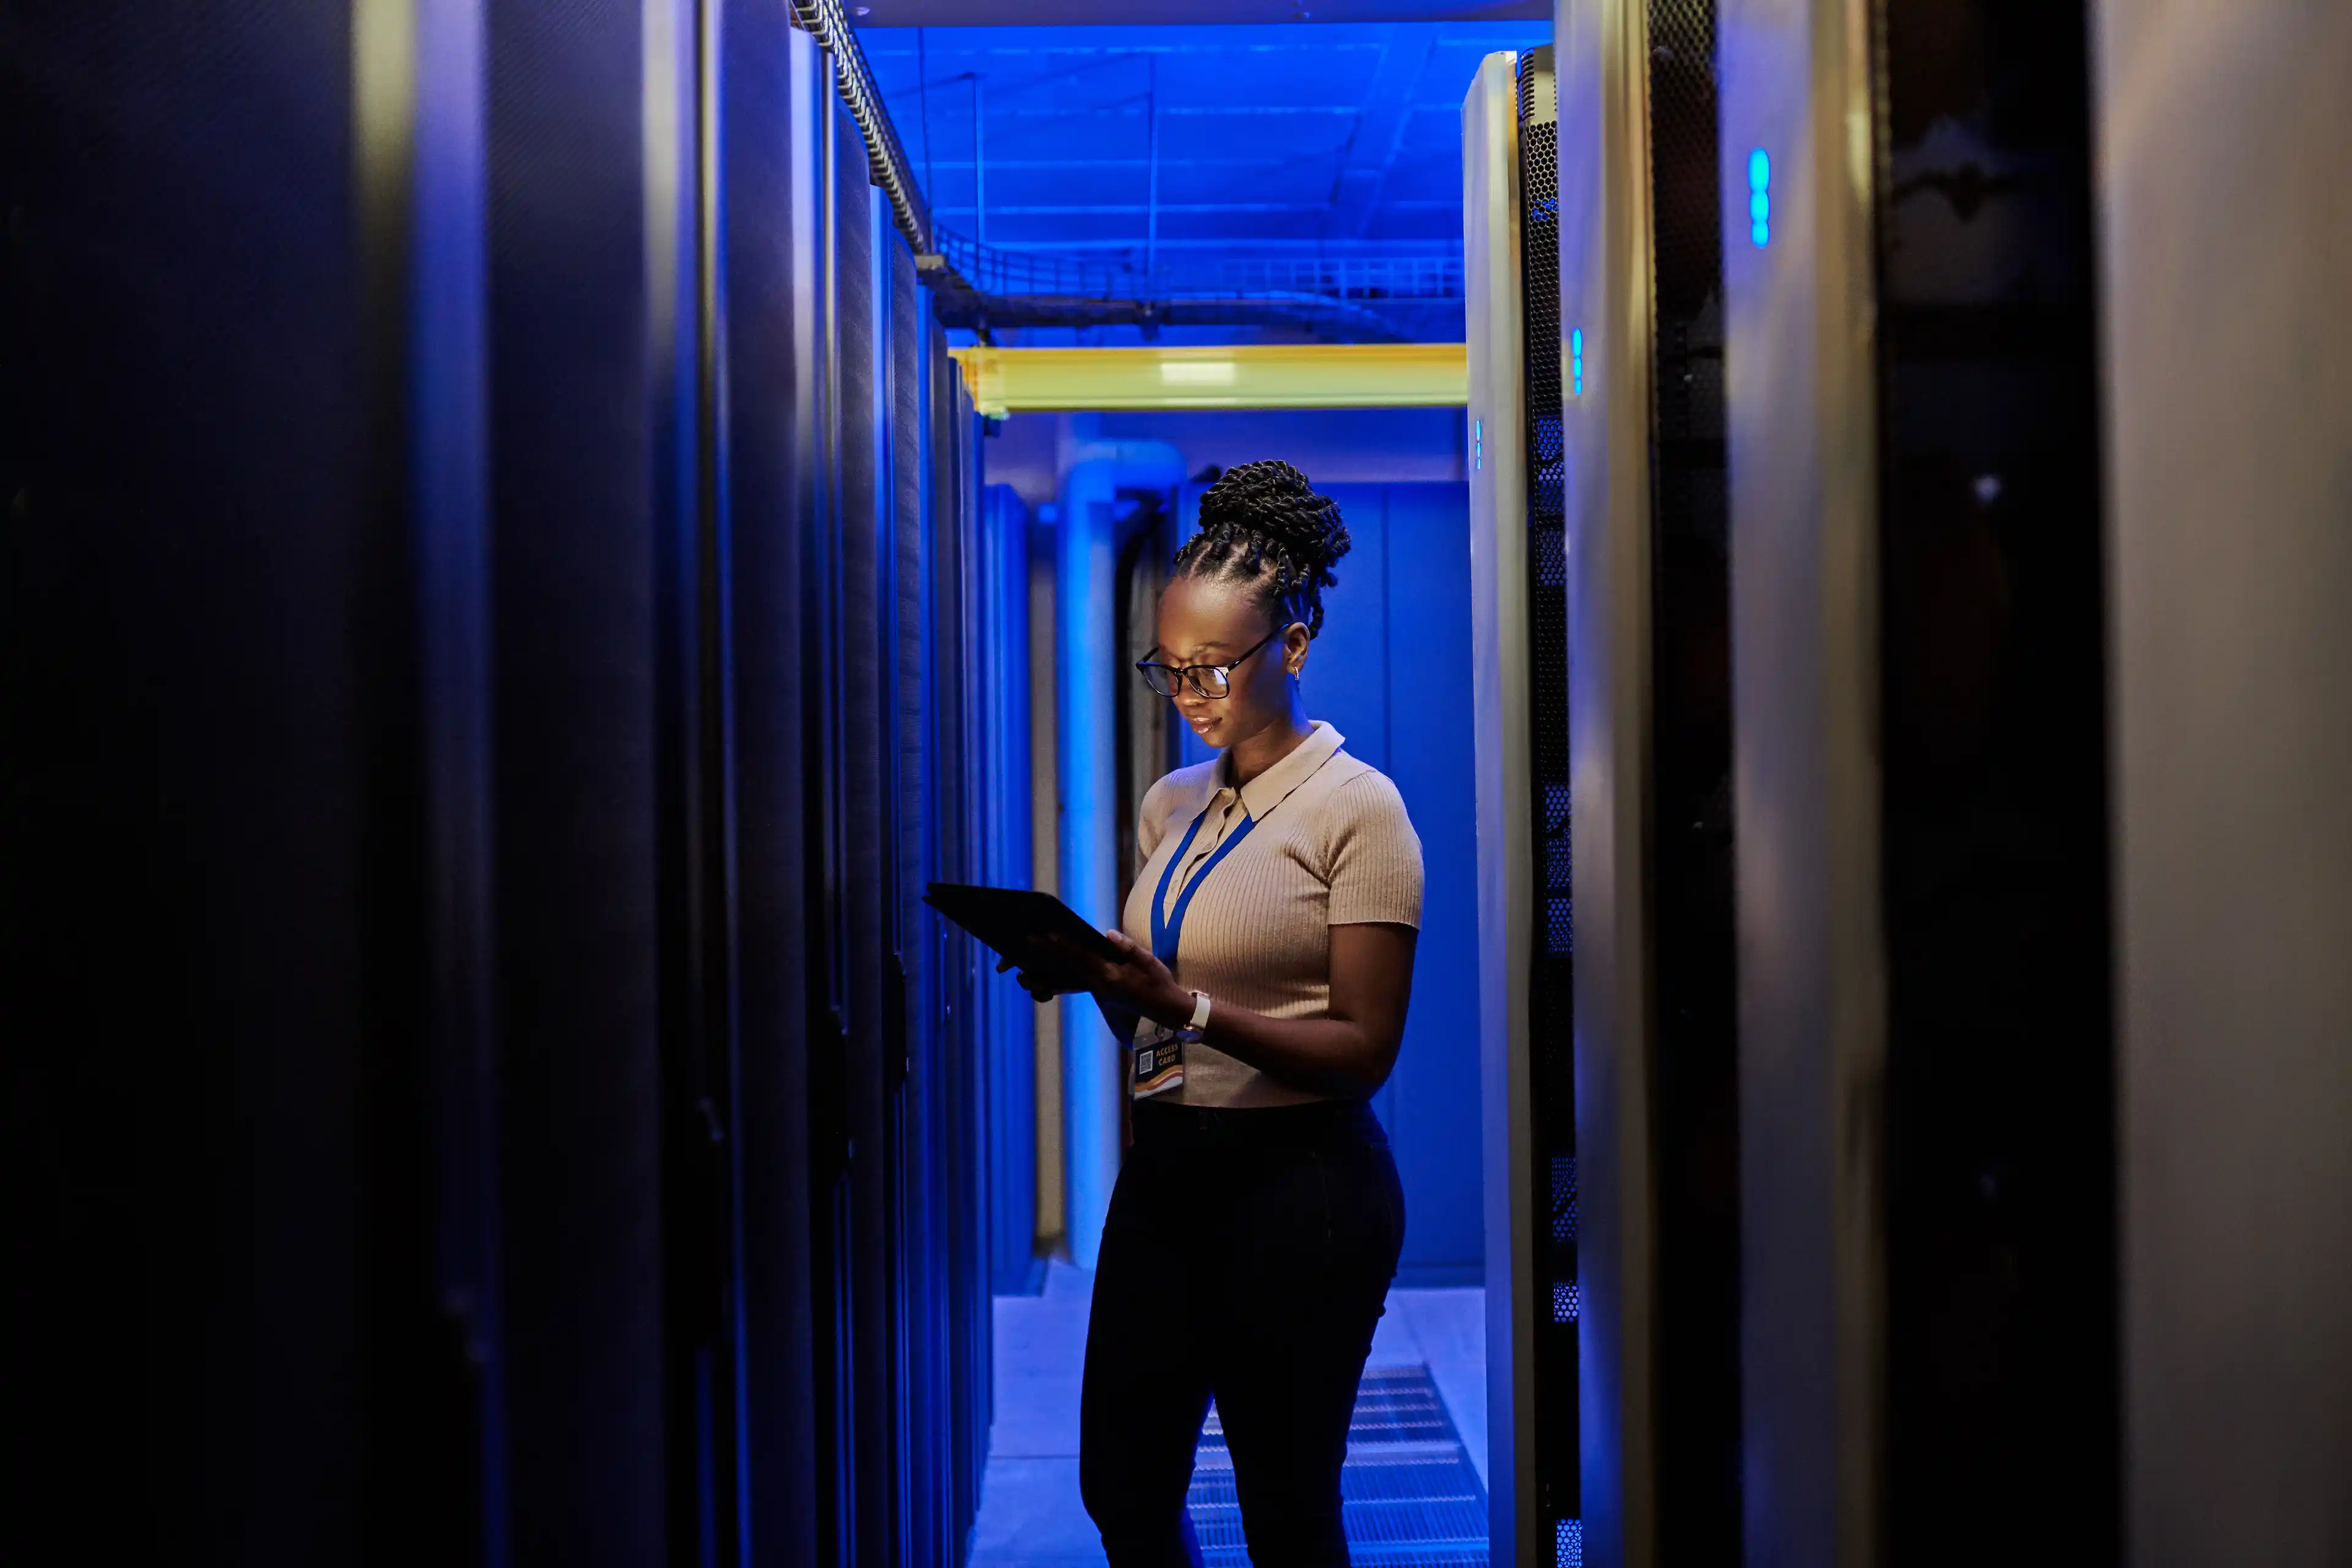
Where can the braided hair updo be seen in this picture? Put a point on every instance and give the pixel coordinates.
(1263, 525)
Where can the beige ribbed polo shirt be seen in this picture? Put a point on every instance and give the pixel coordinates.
(1332, 847)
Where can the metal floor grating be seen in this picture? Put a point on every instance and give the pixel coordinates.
(1412, 1498)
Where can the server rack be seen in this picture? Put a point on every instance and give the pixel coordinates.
(2002, 1371)
(1688, 1015)
(1650, 740)
(901, 1192)
(2231, 675)
(1519, 675)
(694, 670)
(1918, 611)
(1000, 678)
(1931, 890)
(770, 151)
(961, 1070)
(1551, 993)
(1624, 1216)
(210, 911)
(460, 576)
(587, 447)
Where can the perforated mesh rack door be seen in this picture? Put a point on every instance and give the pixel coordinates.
(1551, 1011)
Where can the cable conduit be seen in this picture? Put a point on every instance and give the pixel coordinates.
(886, 159)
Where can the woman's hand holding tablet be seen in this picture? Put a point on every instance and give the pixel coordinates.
(1131, 981)
(1050, 942)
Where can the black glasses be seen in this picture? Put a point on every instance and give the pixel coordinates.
(1205, 679)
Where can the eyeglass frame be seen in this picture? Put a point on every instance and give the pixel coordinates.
(1183, 673)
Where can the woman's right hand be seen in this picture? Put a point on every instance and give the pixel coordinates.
(1039, 990)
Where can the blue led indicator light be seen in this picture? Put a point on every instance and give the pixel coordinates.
(1477, 443)
(1760, 198)
(1576, 362)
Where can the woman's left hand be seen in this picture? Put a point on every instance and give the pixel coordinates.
(1135, 982)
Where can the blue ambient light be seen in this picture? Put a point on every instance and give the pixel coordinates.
(1576, 362)
(1760, 198)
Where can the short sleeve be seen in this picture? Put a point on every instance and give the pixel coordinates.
(1151, 820)
(1375, 875)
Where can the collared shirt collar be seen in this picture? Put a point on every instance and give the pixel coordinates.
(1270, 788)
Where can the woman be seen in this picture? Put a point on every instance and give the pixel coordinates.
(1265, 961)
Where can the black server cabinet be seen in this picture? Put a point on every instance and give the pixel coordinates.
(767, 320)
(1694, 1063)
(224, 1340)
(1999, 1208)
(695, 786)
(1552, 1015)
(1926, 1050)
(911, 1109)
(941, 1182)
(936, 1188)
(900, 1323)
(962, 1184)
(831, 1138)
(480, 690)
(1654, 587)
(863, 1238)
(583, 369)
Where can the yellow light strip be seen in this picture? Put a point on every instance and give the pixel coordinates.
(1276, 375)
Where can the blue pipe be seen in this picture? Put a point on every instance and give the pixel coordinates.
(1086, 662)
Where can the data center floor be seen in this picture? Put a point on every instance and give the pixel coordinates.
(1029, 1514)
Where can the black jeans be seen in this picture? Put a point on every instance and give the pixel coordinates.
(1247, 1255)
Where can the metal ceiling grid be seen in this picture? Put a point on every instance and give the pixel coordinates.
(1185, 13)
(1180, 150)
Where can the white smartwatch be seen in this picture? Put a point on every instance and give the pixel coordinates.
(1200, 1011)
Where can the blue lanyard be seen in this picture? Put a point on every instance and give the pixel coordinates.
(1167, 929)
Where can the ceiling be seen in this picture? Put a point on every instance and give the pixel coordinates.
(1181, 12)
(1190, 148)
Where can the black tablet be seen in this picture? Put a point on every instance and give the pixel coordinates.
(1010, 919)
